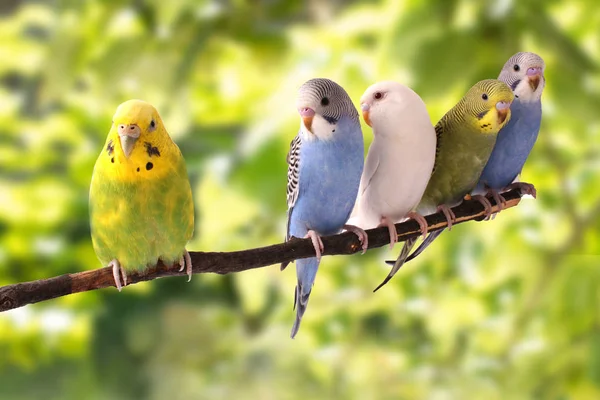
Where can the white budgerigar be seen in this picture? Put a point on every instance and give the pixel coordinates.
(400, 159)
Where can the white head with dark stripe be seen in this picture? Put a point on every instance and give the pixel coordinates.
(322, 103)
(524, 73)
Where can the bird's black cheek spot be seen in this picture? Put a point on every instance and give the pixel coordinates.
(110, 147)
(149, 166)
(112, 160)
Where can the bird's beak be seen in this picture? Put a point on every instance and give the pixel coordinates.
(534, 75)
(128, 134)
(365, 107)
(307, 114)
(503, 109)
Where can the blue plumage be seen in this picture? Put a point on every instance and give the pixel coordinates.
(329, 175)
(515, 142)
(325, 165)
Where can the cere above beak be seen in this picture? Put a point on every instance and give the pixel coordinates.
(534, 75)
(365, 107)
(307, 114)
(128, 135)
(503, 107)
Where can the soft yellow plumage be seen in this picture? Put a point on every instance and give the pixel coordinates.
(141, 207)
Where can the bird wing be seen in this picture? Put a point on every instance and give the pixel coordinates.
(439, 129)
(293, 174)
(371, 165)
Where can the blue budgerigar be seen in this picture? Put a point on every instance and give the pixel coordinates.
(524, 73)
(325, 163)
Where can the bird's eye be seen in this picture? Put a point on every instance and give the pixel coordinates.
(324, 101)
(484, 96)
(152, 125)
(516, 67)
(378, 95)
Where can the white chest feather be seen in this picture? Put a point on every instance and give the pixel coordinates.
(397, 170)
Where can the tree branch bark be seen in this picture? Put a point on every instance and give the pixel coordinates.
(21, 294)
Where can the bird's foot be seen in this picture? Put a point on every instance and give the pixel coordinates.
(420, 220)
(524, 187)
(118, 272)
(317, 243)
(391, 229)
(185, 262)
(362, 236)
(486, 205)
(448, 213)
(498, 198)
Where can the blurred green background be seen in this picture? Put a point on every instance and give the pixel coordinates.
(507, 309)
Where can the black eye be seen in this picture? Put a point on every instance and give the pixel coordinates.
(484, 96)
(152, 124)
(378, 95)
(324, 101)
(516, 67)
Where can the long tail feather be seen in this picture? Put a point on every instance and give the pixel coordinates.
(306, 270)
(428, 240)
(408, 245)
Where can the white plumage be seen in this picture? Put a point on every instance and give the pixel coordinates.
(400, 159)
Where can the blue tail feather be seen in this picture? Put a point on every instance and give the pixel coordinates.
(306, 270)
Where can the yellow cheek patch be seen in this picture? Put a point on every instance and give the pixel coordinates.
(146, 161)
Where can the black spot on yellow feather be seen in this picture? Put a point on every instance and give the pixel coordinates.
(110, 147)
(138, 169)
(149, 166)
(112, 160)
(151, 150)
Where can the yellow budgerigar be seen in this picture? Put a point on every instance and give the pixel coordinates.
(141, 207)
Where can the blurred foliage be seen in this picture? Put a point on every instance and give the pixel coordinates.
(502, 309)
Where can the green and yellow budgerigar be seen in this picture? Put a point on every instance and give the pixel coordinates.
(466, 136)
(141, 207)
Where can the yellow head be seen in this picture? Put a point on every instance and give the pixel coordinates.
(136, 122)
(487, 105)
(138, 145)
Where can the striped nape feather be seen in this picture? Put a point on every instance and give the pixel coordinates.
(482, 98)
(328, 99)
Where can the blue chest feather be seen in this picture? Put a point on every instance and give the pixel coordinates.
(515, 142)
(329, 177)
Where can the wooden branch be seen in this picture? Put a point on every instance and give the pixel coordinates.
(21, 294)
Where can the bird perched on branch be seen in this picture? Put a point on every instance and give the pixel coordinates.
(141, 208)
(325, 162)
(400, 158)
(465, 138)
(524, 73)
